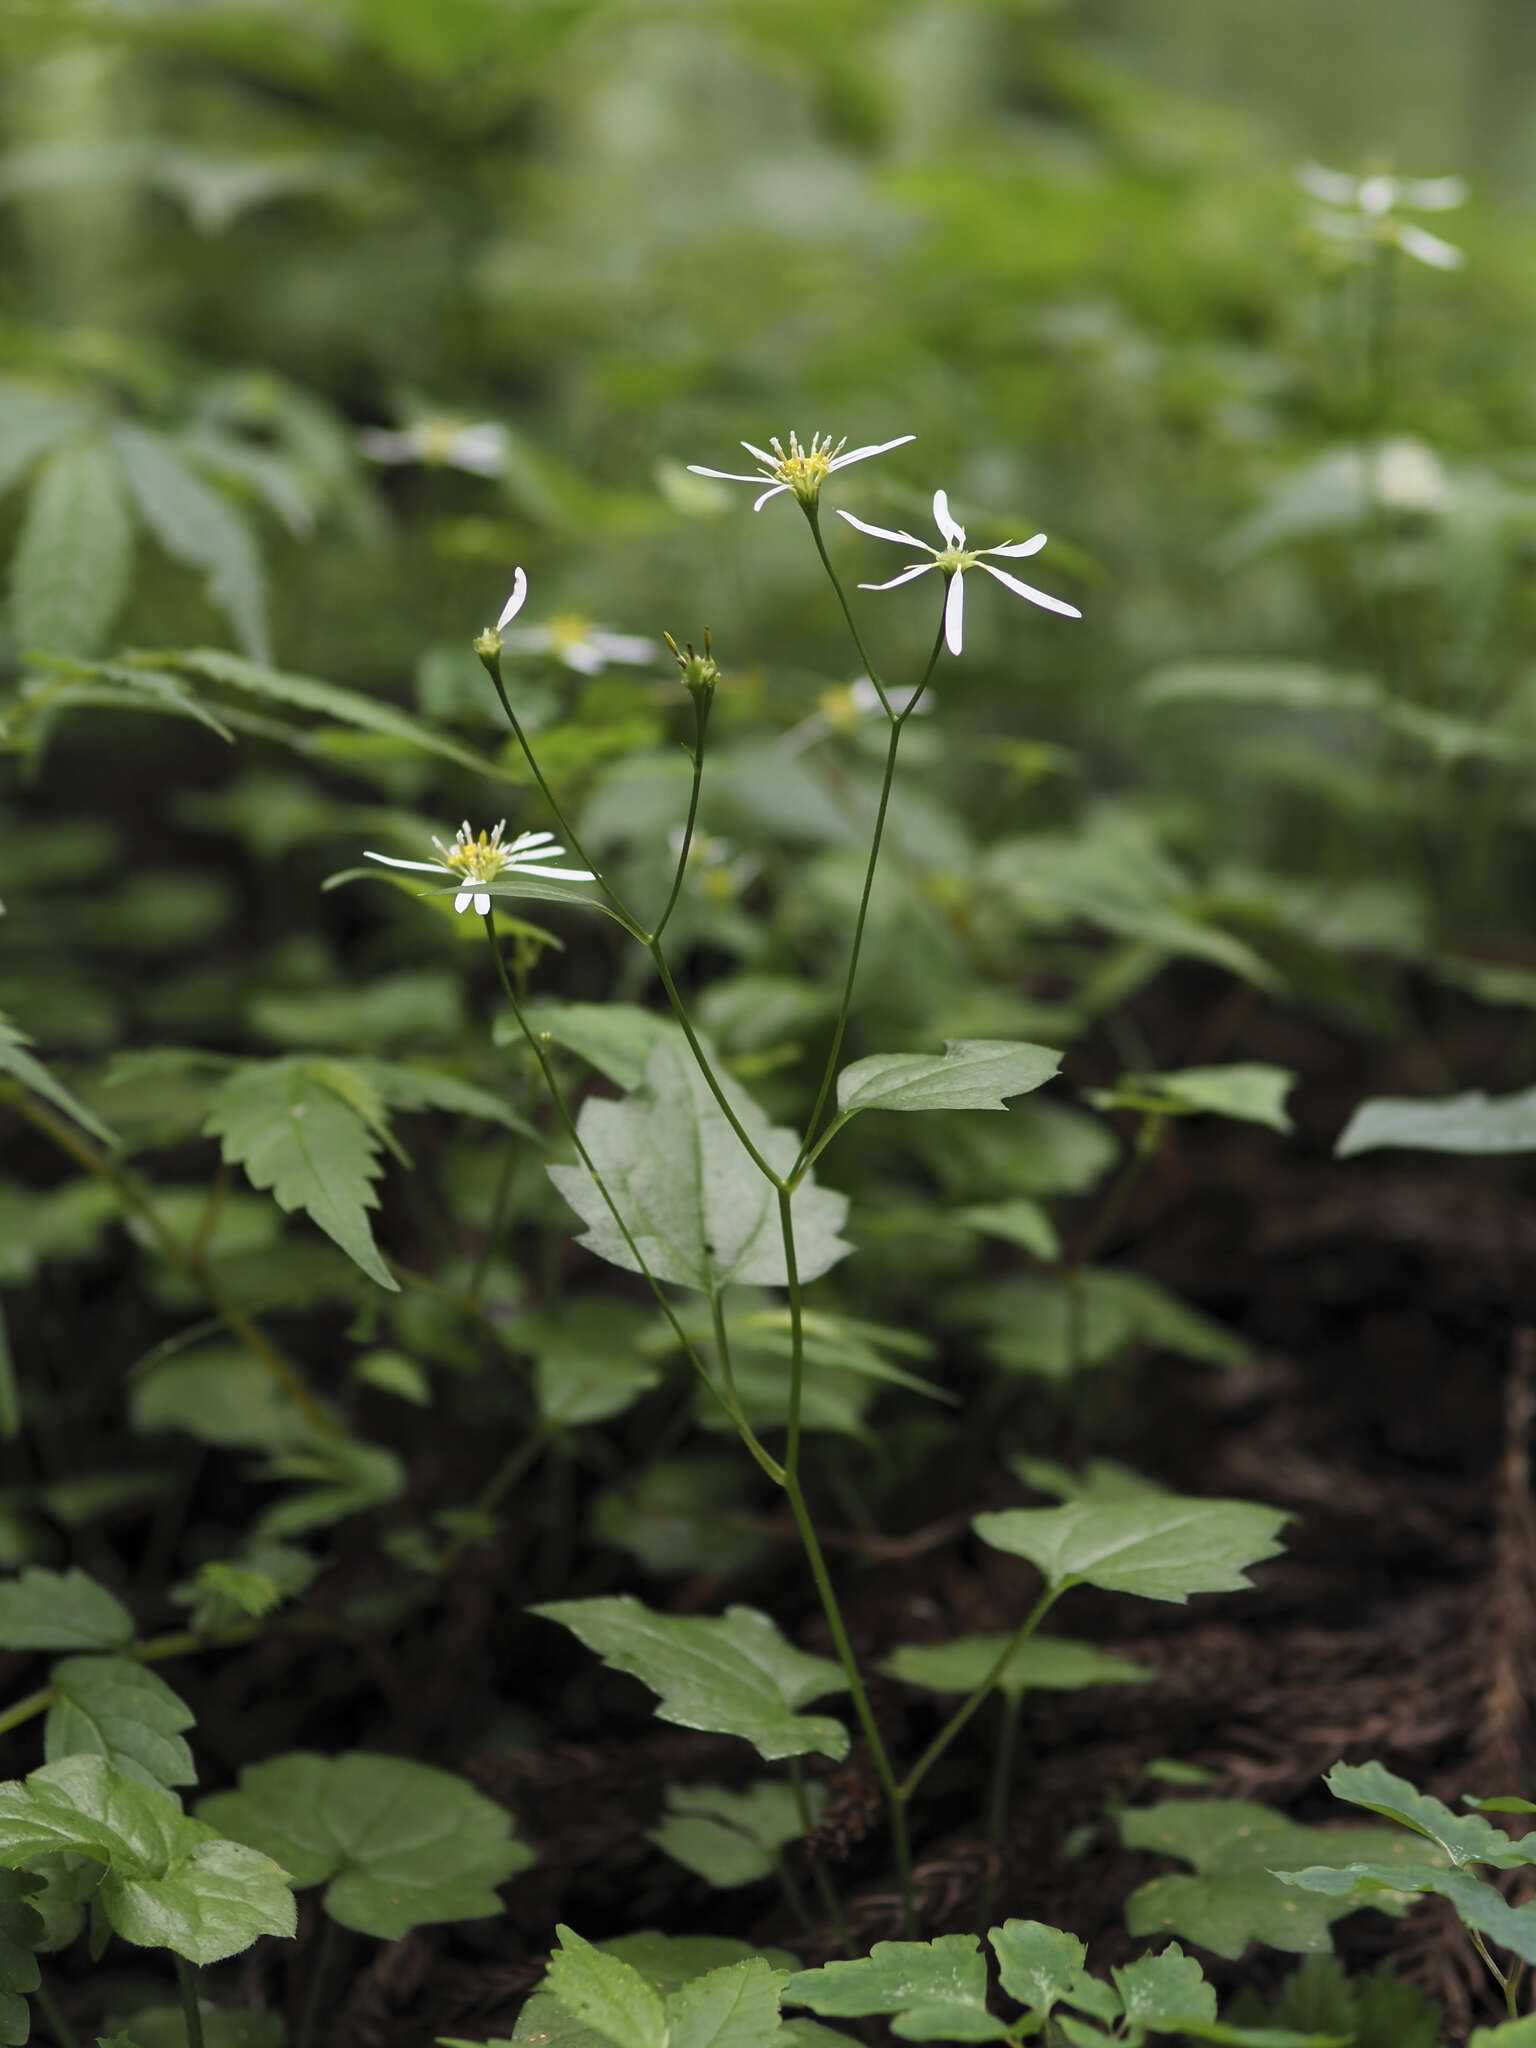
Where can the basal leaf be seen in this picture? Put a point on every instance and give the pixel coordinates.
(1161, 1992)
(17, 1061)
(973, 1073)
(1465, 1837)
(1042, 1664)
(937, 1989)
(295, 1132)
(1163, 1548)
(69, 573)
(1036, 1964)
(700, 1212)
(1477, 1904)
(397, 1844)
(170, 1881)
(1472, 1123)
(46, 1610)
(194, 524)
(733, 1674)
(606, 1994)
(732, 1838)
(737, 2007)
(116, 1708)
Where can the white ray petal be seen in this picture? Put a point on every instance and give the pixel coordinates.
(528, 867)
(482, 904)
(526, 842)
(772, 491)
(1032, 546)
(726, 476)
(905, 540)
(954, 535)
(625, 647)
(874, 448)
(426, 867)
(954, 613)
(583, 656)
(1428, 248)
(514, 603)
(761, 454)
(1051, 604)
(1334, 188)
(462, 901)
(917, 569)
(1435, 195)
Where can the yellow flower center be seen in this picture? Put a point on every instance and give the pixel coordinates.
(475, 860)
(567, 630)
(805, 470)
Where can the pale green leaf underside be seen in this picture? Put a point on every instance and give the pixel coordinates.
(1042, 1664)
(1465, 1837)
(1162, 1548)
(1470, 1123)
(973, 1073)
(733, 1674)
(1246, 1090)
(732, 1838)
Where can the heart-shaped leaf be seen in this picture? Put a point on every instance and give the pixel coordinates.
(973, 1073)
(1162, 1548)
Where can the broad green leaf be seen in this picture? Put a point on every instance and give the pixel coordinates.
(113, 1707)
(1036, 1964)
(1045, 1324)
(666, 1963)
(700, 1212)
(737, 2007)
(732, 1838)
(1286, 685)
(608, 1995)
(680, 1515)
(411, 1087)
(588, 1368)
(219, 1394)
(1017, 1221)
(227, 1590)
(17, 1061)
(1512, 2034)
(1465, 1837)
(170, 1881)
(296, 1129)
(1474, 1123)
(397, 1844)
(195, 525)
(936, 1989)
(1477, 1904)
(1164, 1548)
(1234, 1899)
(1246, 1091)
(732, 1674)
(1164, 1991)
(974, 1073)
(616, 1038)
(165, 2026)
(1318, 2001)
(1042, 1664)
(45, 1610)
(1099, 1479)
(32, 420)
(69, 573)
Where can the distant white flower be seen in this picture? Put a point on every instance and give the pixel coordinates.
(578, 643)
(1358, 213)
(476, 861)
(802, 470)
(721, 872)
(954, 558)
(478, 446)
(843, 706)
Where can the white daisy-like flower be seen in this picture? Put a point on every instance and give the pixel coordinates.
(802, 470)
(579, 644)
(477, 446)
(1359, 212)
(954, 558)
(474, 861)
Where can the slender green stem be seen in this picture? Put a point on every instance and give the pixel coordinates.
(701, 720)
(535, 1045)
(191, 2011)
(821, 1877)
(213, 1209)
(804, 1166)
(63, 2032)
(813, 520)
(319, 1971)
(711, 1079)
(796, 1334)
(967, 1708)
(723, 1347)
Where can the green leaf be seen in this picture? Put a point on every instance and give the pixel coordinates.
(1477, 1904)
(732, 1838)
(113, 1707)
(1473, 1123)
(227, 1590)
(1016, 1221)
(170, 1881)
(737, 2007)
(666, 1963)
(44, 1610)
(1036, 1964)
(1163, 1992)
(606, 1994)
(1320, 2002)
(616, 1038)
(733, 1674)
(1099, 1479)
(1246, 1091)
(1041, 1664)
(17, 1061)
(700, 1212)
(1163, 1548)
(397, 1844)
(290, 1124)
(165, 2026)
(69, 573)
(1045, 1324)
(1512, 2034)
(1234, 1899)
(197, 526)
(412, 1087)
(974, 1073)
(1465, 1837)
(937, 1989)
(21, 1934)
(32, 420)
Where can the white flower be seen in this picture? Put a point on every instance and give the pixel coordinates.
(1360, 212)
(577, 642)
(515, 602)
(954, 558)
(802, 470)
(478, 446)
(476, 861)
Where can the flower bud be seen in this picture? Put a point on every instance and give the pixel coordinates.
(698, 671)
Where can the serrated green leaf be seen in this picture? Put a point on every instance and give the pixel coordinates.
(113, 1707)
(1477, 1904)
(1041, 1664)
(411, 1087)
(1246, 1090)
(294, 1132)
(1164, 1991)
(616, 1038)
(937, 1989)
(737, 2007)
(700, 1212)
(1512, 2034)
(732, 1674)
(46, 1610)
(606, 1994)
(32, 420)
(973, 1073)
(1471, 1123)
(1465, 1837)
(170, 1881)
(732, 1838)
(397, 1844)
(70, 569)
(1036, 1964)
(226, 1590)
(17, 1061)
(1164, 1548)
(196, 526)
(21, 1935)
